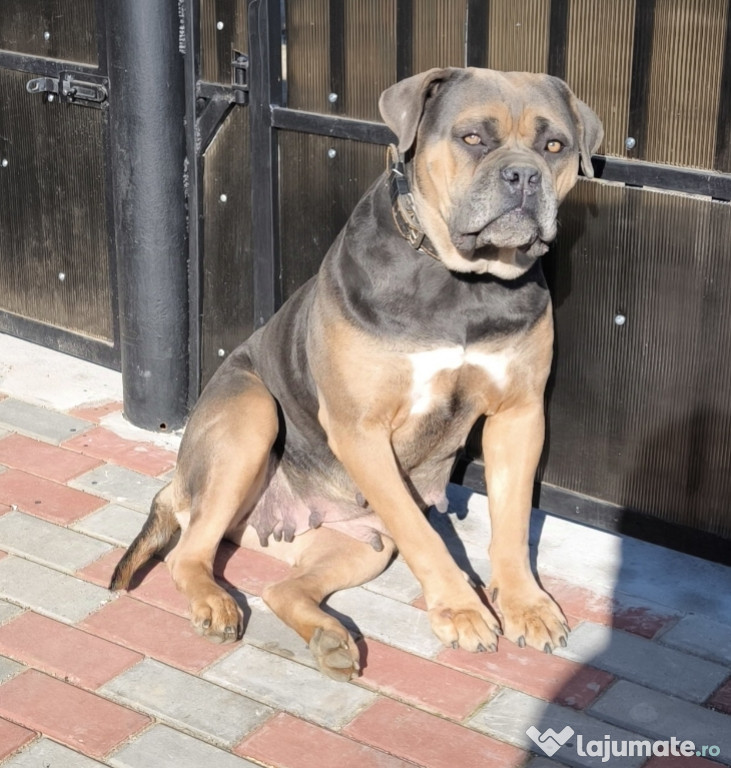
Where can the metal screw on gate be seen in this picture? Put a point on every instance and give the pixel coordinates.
(630, 142)
(223, 198)
(222, 353)
(219, 25)
(51, 96)
(4, 162)
(332, 98)
(331, 153)
(620, 320)
(61, 276)
(46, 36)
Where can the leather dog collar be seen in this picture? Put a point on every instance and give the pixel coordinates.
(402, 204)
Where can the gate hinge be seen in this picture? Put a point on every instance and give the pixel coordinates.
(74, 88)
(240, 78)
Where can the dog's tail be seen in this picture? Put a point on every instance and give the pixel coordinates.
(157, 531)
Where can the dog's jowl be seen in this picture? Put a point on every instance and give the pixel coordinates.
(325, 436)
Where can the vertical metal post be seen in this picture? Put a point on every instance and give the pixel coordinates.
(476, 37)
(640, 77)
(195, 196)
(558, 37)
(147, 113)
(265, 90)
(723, 123)
(404, 38)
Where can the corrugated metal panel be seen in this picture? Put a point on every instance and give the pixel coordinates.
(439, 28)
(370, 55)
(51, 29)
(307, 71)
(599, 63)
(518, 35)
(318, 194)
(639, 413)
(217, 45)
(228, 314)
(52, 216)
(685, 77)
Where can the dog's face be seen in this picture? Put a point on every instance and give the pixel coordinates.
(493, 156)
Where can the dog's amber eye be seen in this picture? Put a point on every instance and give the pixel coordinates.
(472, 139)
(554, 146)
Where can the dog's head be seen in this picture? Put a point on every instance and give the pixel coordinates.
(494, 153)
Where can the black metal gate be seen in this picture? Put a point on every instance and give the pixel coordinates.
(640, 401)
(277, 100)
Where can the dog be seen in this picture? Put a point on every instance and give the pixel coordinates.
(325, 436)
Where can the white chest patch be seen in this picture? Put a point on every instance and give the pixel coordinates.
(425, 366)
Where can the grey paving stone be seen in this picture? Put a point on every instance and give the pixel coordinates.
(511, 713)
(8, 611)
(700, 635)
(120, 485)
(396, 582)
(287, 685)
(187, 702)
(47, 543)
(41, 423)
(268, 632)
(49, 592)
(162, 747)
(644, 661)
(45, 753)
(662, 717)
(389, 621)
(8, 669)
(116, 524)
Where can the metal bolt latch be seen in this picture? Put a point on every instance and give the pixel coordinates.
(630, 142)
(331, 153)
(620, 319)
(332, 98)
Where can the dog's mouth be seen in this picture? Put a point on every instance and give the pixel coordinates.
(514, 229)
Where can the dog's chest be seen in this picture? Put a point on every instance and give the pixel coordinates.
(453, 375)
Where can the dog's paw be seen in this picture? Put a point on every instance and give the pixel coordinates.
(472, 628)
(336, 654)
(217, 617)
(530, 617)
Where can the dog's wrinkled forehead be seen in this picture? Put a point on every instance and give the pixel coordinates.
(512, 103)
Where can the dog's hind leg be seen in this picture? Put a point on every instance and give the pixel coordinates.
(325, 561)
(223, 466)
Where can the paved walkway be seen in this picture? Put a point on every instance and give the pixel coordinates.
(88, 678)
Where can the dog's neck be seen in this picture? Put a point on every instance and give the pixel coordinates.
(402, 203)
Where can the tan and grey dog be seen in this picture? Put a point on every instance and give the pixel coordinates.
(325, 436)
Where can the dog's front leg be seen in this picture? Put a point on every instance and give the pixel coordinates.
(456, 613)
(512, 441)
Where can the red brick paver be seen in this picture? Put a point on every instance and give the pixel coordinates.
(100, 571)
(538, 674)
(64, 651)
(721, 699)
(154, 632)
(247, 569)
(13, 737)
(428, 740)
(44, 460)
(429, 685)
(74, 717)
(95, 412)
(289, 742)
(141, 457)
(46, 499)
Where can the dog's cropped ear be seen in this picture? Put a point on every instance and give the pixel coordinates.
(402, 104)
(589, 131)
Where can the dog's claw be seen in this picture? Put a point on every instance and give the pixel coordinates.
(521, 642)
(455, 645)
(493, 597)
(547, 648)
(562, 642)
(481, 648)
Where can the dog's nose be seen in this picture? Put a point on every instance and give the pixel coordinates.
(522, 178)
